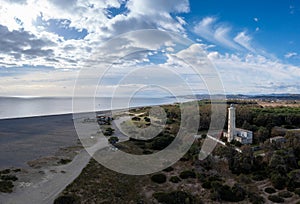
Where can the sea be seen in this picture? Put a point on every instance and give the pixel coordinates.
(20, 107)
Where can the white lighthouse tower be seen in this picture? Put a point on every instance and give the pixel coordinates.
(231, 123)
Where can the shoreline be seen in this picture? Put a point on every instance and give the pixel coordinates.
(40, 174)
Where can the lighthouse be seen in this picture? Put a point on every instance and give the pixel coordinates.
(231, 123)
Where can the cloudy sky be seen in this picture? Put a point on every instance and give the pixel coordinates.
(254, 45)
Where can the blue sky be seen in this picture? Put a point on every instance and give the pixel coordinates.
(254, 45)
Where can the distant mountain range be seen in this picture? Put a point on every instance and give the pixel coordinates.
(244, 96)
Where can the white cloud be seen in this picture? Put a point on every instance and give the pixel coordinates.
(218, 33)
(244, 40)
(256, 19)
(253, 74)
(290, 55)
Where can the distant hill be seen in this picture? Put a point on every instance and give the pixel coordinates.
(242, 96)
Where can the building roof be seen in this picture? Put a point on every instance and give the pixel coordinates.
(240, 129)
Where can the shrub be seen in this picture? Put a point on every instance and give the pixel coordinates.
(6, 186)
(175, 197)
(64, 161)
(206, 185)
(234, 194)
(297, 191)
(175, 179)
(285, 194)
(159, 178)
(270, 190)
(136, 119)
(16, 170)
(258, 177)
(161, 142)
(255, 198)
(187, 174)
(66, 199)
(113, 140)
(168, 169)
(5, 171)
(147, 152)
(275, 199)
(278, 181)
(9, 177)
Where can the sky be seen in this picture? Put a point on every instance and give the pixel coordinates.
(254, 46)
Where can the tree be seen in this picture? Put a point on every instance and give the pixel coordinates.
(262, 134)
(113, 140)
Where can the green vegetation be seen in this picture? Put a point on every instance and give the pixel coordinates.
(113, 140)
(175, 197)
(97, 184)
(276, 199)
(257, 175)
(270, 190)
(6, 186)
(168, 169)
(227, 193)
(159, 178)
(64, 161)
(187, 174)
(5, 171)
(175, 179)
(66, 199)
(109, 131)
(285, 194)
(8, 178)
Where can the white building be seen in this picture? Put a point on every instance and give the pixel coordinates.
(241, 135)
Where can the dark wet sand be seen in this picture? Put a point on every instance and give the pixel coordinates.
(26, 139)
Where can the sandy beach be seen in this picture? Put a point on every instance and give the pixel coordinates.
(37, 146)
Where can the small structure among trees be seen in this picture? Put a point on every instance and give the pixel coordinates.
(103, 119)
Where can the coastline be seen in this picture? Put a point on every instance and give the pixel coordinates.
(42, 173)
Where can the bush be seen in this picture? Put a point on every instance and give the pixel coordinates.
(161, 142)
(169, 169)
(147, 152)
(278, 181)
(175, 197)
(5, 171)
(258, 177)
(275, 199)
(159, 178)
(187, 174)
(147, 119)
(285, 194)
(234, 194)
(6, 186)
(206, 185)
(9, 178)
(297, 191)
(255, 198)
(136, 119)
(175, 179)
(66, 199)
(270, 190)
(113, 140)
(64, 161)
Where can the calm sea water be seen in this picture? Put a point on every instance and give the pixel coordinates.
(11, 107)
